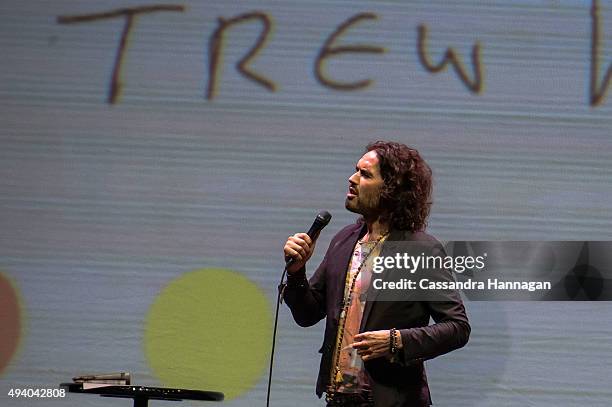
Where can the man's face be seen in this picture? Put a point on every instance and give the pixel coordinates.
(365, 184)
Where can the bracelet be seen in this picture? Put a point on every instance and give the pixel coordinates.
(392, 341)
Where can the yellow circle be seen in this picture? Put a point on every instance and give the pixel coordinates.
(209, 330)
(11, 321)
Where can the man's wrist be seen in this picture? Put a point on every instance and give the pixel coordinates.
(297, 279)
(398, 339)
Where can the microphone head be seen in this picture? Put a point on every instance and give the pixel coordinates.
(323, 218)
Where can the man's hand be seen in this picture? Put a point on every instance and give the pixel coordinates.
(298, 247)
(375, 344)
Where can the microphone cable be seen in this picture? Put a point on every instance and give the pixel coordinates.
(279, 300)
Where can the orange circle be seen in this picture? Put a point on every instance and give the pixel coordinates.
(10, 322)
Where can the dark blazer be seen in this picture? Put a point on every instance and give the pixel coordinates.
(403, 383)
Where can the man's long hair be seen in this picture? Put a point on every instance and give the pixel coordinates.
(406, 195)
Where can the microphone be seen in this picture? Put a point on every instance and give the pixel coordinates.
(319, 223)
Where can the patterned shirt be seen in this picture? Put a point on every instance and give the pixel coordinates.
(351, 377)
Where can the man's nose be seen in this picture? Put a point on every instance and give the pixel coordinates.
(354, 179)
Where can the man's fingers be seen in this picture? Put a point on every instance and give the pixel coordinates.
(294, 254)
(371, 345)
(300, 243)
(291, 248)
(361, 337)
(296, 242)
(297, 247)
(304, 237)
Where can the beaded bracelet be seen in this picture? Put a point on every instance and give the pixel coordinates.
(392, 341)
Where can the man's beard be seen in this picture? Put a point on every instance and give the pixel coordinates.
(367, 209)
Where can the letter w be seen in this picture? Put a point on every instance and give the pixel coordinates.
(475, 85)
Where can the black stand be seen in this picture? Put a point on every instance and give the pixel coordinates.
(142, 394)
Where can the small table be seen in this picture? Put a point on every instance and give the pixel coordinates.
(142, 394)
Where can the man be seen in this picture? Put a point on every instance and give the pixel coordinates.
(373, 351)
